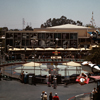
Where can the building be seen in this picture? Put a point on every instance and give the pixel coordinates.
(65, 41)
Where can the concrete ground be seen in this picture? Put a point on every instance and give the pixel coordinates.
(14, 90)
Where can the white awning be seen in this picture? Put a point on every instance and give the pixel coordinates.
(59, 49)
(38, 49)
(32, 64)
(49, 48)
(14, 49)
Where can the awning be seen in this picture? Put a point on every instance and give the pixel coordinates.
(49, 48)
(72, 49)
(90, 32)
(95, 46)
(14, 49)
(59, 49)
(39, 49)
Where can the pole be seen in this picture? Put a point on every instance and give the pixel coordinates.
(34, 59)
(23, 23)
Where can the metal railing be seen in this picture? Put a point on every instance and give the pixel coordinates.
(43, 60)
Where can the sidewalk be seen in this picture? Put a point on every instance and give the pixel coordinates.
(14, 90)
(85, 98)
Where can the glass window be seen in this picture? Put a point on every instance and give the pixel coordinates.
(24, 35)
(23, 42)
(65, 36)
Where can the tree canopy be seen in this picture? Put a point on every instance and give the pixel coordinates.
(28, 28)
(60, 21)
(94, 55)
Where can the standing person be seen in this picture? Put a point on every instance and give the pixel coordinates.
(50, 96)
(34, 79)
(94, 91)
(45, 96)
(25, 78)
(46, 80)
(22, 77)
(49, 80)
(0, 76)
(55, 97)
(42, 94)
(55, 82)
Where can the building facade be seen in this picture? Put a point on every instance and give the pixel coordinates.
(40, 39)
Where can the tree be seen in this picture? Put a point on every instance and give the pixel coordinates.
(28, 28)
(60, 21)
(94, 55)
(16, 30)
(79, 23)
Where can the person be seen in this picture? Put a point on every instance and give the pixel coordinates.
(25, 78)
(34, 79)
(49, 80)
(22, 77)
(46, 80)
(55, 97)
(42, 94)
(0, 76)
(94, 91)
(50, 96)
(45, 96)
(55, 82)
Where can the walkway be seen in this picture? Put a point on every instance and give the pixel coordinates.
(14, 90)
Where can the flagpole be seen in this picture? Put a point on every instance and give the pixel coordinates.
(23, 22)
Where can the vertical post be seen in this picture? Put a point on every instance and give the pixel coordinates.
(23, 23)
(76, 70)
(34, 61)
(40, 69)
(0, 53)
(65, 72)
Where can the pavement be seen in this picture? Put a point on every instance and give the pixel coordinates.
(15, 90)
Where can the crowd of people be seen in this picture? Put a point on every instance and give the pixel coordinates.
(52, 81)
(44, 96)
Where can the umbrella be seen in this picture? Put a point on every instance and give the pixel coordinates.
(32, 64)
(72, 63)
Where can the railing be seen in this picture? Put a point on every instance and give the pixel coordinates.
(42, 60)
(84, 96)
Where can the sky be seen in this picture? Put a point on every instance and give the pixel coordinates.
(36, 12)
